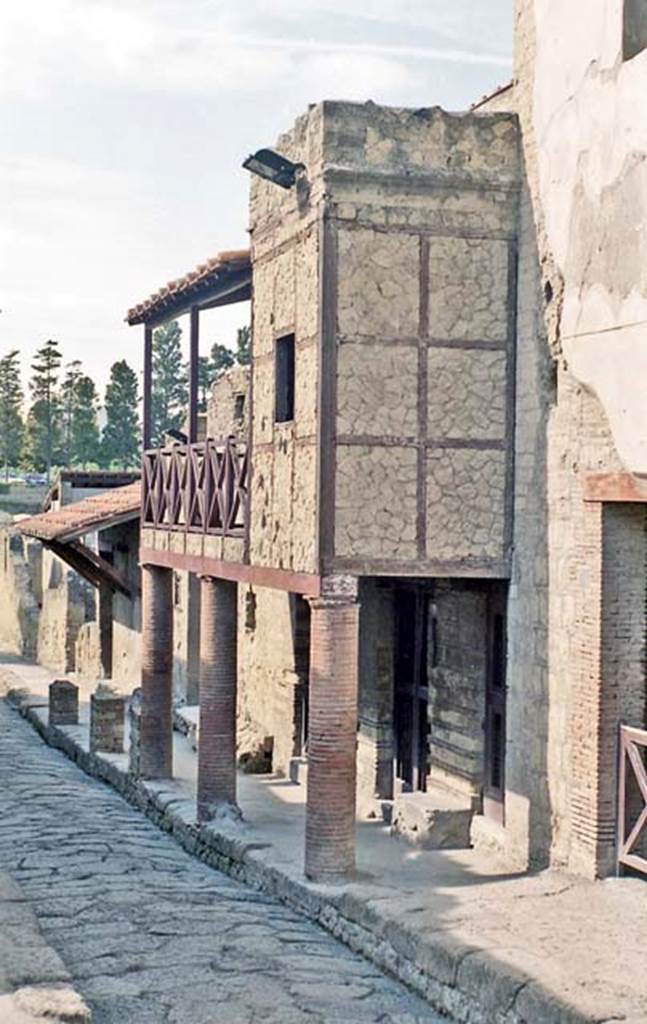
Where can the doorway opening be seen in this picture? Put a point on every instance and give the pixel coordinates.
(411, 690)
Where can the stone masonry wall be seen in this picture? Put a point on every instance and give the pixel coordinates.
(423, 208)
(223, 404)
(19, 608)
(284, 228)
(68, 602)
(269, 677)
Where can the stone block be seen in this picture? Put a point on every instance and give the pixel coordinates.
(107, 714)
(438, 820)
(63, 703)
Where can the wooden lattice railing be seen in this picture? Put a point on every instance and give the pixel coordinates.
(200, 487)
(633, 744)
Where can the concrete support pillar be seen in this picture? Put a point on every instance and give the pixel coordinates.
(218, 685)
(156, 727)
(332, 732)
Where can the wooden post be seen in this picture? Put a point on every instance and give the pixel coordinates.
(148, 387)
(193, 374)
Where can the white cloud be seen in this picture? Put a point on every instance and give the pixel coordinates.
(147, 47)
(126, 120)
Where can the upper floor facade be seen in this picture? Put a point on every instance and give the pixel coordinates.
(381, 389)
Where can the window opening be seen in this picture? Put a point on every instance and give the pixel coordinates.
(284, 408)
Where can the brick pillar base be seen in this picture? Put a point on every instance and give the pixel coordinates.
(156, 724)
(332, 732)
(218, 684)
(63, 703)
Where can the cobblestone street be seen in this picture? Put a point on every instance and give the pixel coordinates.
(150, 935)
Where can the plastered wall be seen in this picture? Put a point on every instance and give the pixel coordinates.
(586, 105)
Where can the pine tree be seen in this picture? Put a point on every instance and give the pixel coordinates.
(120, 442)
(205, 380)
(68, 408)
(79, 413)
(11, 399)
(170, 382)
(44, 420)
(85, 428)
(222, 359)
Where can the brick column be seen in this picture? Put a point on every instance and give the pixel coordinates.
(218, 684)
(607, 674)
(156, 724)
(332, 731)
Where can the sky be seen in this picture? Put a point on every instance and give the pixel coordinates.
(123, 125)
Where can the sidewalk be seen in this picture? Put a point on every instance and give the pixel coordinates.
(484, 946)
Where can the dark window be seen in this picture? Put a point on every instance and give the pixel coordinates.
(239, 408)
(634, 28)
(284, 409)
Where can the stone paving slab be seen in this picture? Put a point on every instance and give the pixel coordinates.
(484, 945)
(149, 934)
(35, 985)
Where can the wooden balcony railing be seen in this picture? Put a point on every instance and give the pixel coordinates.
(632, 805)
(200, 487)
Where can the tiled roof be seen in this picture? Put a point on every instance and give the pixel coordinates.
(92, 479)
(80, 517)
(206, 274)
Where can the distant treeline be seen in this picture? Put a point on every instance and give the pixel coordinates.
(59, 426)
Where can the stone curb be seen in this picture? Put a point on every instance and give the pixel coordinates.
(465, 983)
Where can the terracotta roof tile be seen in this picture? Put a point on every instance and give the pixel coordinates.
(227, 262)
(80, 517)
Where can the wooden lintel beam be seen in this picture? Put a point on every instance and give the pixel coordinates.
(615, 487)
(308, 584)
(95, 569)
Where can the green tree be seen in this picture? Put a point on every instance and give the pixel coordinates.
(121, 439)
(44, 432)
(222, 359)
(79, 404)
(68, 408)
(243, 338)
(205, 380)
(85, 426)
(170, 382)
(11, 399)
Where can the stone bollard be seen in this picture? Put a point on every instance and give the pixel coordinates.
(134, 727)
(107, 713)
(63, 703)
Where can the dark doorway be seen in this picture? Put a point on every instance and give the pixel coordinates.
(495, 706)
(410, 689)
(300, 613)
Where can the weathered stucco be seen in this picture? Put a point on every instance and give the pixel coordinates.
(588, 111)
